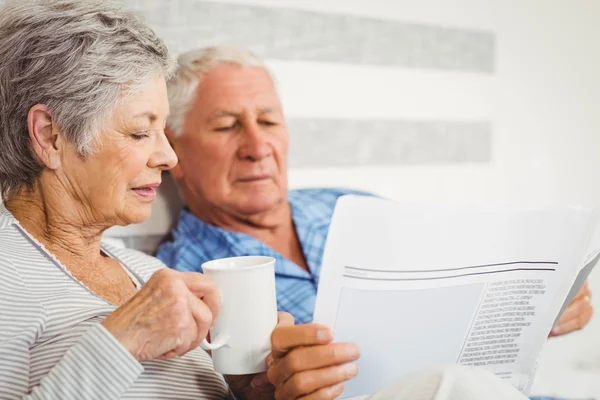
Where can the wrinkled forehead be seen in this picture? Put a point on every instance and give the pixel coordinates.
(235, 88)
(147, 102)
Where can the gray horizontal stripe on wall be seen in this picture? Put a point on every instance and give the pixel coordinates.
(289, 34)
(343, 142)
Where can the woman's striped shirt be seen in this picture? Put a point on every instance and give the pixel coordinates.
(52, 345)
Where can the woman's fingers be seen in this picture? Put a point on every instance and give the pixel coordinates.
(168, 317)
(203, 319)
(308, 382)
(167, 355)
(204, 288)
(312, 358)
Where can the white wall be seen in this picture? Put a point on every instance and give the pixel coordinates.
(541, 102)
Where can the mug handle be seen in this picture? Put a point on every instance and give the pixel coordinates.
(220, 341)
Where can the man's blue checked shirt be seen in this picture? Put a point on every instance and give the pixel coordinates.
(193, 242)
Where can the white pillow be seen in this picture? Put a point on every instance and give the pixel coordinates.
(453, 382)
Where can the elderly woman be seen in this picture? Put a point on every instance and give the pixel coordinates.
(83, 105)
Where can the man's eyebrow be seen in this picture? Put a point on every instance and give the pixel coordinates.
(227, 113)
(220, 114)
(266, 110)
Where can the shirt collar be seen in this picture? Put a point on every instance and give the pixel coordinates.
(6, 218)
(241, 244)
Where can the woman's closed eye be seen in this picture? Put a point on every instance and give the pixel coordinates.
(139, 135)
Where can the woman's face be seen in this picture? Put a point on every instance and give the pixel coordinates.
(117, 184)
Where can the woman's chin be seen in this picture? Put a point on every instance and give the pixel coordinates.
(136, 215)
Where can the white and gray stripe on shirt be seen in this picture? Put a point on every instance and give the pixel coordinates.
(52, 345)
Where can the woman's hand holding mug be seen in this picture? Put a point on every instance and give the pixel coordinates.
(170, 315)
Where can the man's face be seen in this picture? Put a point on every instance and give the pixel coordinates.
(233, 148)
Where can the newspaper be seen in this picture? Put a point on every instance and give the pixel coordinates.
(416, 286)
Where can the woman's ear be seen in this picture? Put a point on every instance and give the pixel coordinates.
(176, 171)
(45, 139)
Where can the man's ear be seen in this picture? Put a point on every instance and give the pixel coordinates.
(44, 134)
(176, 171)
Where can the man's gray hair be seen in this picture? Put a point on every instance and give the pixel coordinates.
(192, 66)
(77, 57)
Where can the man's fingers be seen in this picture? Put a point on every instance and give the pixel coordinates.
(260, 381)
(285, 338)
(584, 292)
(573, 310)
(312, 358)
(307, 382)
(586, 288)
(284, 319)
(328, 393)
(575, 323)
(581, 302)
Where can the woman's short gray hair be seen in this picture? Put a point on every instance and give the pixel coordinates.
(192, 66)
(77, 57)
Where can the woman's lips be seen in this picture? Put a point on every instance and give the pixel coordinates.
(147, 192)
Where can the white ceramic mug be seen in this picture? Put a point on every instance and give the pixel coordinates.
(241, 335)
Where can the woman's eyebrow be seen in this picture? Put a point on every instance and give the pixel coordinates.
(152, 117)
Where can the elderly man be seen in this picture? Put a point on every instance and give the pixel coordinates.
(232, 146)
(228, 129)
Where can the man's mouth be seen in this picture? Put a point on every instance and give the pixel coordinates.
(253, 178)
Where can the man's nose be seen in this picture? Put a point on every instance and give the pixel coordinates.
(255, 143)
